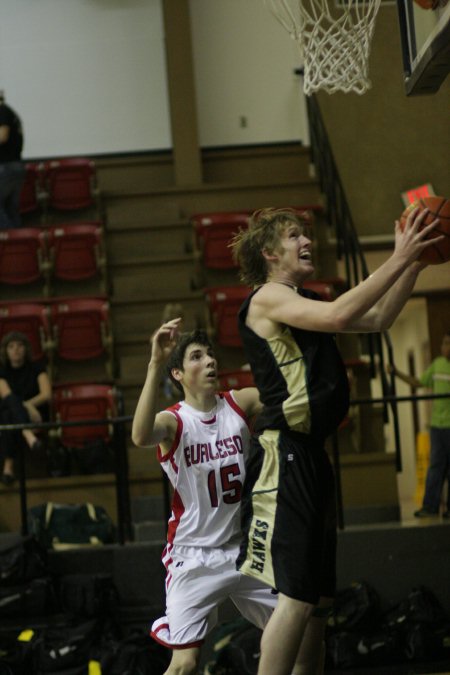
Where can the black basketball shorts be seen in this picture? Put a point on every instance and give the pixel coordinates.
(289, 516)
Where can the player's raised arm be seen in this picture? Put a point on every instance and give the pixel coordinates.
(149, 427)
(278, 303)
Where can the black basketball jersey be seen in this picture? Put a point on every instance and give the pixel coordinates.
(300, 376)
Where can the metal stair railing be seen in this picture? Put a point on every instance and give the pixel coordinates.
(348, 248)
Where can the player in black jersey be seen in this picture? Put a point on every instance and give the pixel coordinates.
(288, 506)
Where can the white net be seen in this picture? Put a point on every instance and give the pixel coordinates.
(334, 40)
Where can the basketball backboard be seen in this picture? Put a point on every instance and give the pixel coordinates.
(425, 35)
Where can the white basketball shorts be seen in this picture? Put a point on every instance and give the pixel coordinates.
(198, 580)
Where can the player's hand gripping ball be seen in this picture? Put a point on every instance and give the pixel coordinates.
(439, 207)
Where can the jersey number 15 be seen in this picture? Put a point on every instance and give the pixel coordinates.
(231, 489)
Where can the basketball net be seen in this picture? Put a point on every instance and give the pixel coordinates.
(335, 45)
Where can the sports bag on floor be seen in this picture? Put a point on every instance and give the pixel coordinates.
(135, 654)
(22, 560)
(236, 649)
(34, 598)
(64, 526)
(88, 595)
(355, 608)
(61, 648)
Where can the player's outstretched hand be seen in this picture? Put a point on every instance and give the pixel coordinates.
(411, 239)
(164, 339)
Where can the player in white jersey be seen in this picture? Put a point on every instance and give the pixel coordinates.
(205, 465)
(202, 443)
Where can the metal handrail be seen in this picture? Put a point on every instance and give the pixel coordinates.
(121, 466)
(349, 248)
(118, 444)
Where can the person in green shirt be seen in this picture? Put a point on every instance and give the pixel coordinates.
(436, 378)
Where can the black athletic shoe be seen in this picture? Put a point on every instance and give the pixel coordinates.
(425, 512)
(446, 514)
(8, 479)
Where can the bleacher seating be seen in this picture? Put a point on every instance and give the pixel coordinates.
(31, 193)
(76, 251)
(71, 184)
(68, 252)
(223, 303)
(84, 401)
(236, 379)
(32, 319)
(81, 329)
(23, 256)
(213, 233)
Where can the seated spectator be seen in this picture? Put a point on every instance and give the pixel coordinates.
(25, 393)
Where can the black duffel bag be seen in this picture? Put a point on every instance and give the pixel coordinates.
(64, 526)
(22, 560)
(34, 598)
(65, 647)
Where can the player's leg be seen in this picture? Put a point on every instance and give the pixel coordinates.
(255, 601)
(198, 581)
(436, 474)
(446, 434)
(311, 655)
(184, 661)
(283, 635)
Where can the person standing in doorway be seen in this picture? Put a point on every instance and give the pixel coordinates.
(437, 379)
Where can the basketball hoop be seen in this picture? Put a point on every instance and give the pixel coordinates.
(334, 40)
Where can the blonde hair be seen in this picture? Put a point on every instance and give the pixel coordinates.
(264, 232)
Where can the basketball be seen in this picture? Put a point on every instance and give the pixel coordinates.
(439, 208)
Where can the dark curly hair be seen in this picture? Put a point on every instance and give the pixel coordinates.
(14, 336)
(198, 337)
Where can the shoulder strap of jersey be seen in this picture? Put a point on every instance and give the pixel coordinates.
(229, 398)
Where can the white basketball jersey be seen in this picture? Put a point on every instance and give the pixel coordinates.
(206, 468)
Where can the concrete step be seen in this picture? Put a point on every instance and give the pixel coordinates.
(180, 203)
(163, 239)
(147, 508)
(158, 275)
(132, 316)
(150, 531)
(376, 513)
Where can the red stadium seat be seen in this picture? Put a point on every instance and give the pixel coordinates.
(77, 402)
(71, 184)
(31, 189)
(23, 255)
(80, 328)
(236, 379)
(30, 319)
(213, 233)
(223, 304)
(76, 250)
